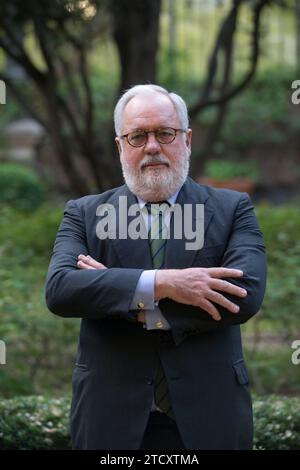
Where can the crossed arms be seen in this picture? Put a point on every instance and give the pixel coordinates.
(192, 286)
(194, 297)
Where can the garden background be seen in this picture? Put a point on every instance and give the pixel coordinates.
(64, 64)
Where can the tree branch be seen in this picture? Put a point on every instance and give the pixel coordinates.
(74, 94)
(88, 94)
(221, 39)
(14, 48)
(204, 103)
(23, 102)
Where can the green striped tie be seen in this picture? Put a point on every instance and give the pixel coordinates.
(157, 236)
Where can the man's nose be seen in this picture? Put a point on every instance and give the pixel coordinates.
(151, 145)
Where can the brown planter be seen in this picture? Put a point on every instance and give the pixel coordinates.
(238, 184)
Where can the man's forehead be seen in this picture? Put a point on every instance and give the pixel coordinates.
(148, 106)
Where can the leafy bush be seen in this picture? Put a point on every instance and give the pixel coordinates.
(37, 422)
(38, 343)
(281, 228)
(26, 237)
(20, 187)
(224, 170)
(40, 346)
(271, 369)
(34, 423)
(277, 423)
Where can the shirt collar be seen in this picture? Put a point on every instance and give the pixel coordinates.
(171, 200)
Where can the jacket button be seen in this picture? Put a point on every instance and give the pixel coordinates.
(149, 381)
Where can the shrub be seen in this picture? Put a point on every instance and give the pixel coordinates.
(271, 369)
(37, 422)
(277, 423)
(281, 228)
(225, 169)
(20, 187)
(24, 237)
(34, 423)
(38, 341)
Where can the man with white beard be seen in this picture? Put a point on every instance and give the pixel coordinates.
(159, 363)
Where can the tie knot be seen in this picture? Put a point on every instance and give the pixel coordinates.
(156, 208)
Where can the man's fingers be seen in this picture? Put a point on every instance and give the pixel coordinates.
(221, 300)
(89, 261)
(211, 309)
(82, 265)
(95, 263)
(224, 286)
(224, 272)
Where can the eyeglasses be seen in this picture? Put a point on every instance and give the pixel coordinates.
(163, 135)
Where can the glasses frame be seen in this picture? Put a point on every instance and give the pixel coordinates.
(125, 136)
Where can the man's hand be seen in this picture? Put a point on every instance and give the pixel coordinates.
(87, 262)
(199, 287)
(193, 286)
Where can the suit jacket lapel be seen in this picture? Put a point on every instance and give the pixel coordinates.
(136, 253)
(132, 253)
(177, 256)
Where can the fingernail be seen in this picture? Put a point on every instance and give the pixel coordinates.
(236, 308)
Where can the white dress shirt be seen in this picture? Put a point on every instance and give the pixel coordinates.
(143, 298)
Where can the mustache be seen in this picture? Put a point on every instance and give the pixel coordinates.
(154, 159)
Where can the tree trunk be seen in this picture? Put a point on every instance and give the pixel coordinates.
(298, 35)
(135, 29)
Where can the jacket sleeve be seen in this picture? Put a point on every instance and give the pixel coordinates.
(245, 250)
(72, 292)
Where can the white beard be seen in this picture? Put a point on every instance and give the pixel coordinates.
(155, 184)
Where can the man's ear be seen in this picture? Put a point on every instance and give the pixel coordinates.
(118, 142)
(188, 138)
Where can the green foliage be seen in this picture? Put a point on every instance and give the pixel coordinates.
(259, 115)
(20, 187)
(34, 423)
(225, 170)
(24, 236)
(277, 423)
(281, 228)
(270, 366)
(40, 346)
(271, 369)
(13, 109)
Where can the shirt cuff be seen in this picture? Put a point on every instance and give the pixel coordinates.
(155, 320)
(143, 298)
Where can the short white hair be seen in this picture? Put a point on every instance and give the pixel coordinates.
(178, 102)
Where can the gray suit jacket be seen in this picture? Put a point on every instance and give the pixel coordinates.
(117, 358)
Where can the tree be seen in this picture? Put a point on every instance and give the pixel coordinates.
(62, 33)
(66, 31)
(220, 93)
(135, 30)
(297, 15)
